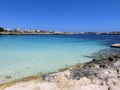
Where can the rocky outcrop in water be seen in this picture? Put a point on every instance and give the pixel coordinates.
(117, 45)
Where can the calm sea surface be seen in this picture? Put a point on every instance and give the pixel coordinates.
(25, 55)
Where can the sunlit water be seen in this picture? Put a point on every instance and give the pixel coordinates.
(25, 55)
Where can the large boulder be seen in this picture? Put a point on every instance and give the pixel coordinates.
(63, 74)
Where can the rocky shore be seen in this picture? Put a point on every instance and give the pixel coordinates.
(102, 73)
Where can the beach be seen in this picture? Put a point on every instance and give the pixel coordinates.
(38, 59)
(101, 74)
(60, 45)
(27, 55)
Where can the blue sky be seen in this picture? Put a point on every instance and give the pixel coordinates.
(61, 15)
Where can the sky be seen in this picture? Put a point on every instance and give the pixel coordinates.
(61, 15)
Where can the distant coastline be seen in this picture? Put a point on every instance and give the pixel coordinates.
(33, 33)
(18, 31)
(54, 33)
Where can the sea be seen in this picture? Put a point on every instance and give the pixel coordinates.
(26, 55)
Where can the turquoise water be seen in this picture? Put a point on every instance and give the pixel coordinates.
(25, 55)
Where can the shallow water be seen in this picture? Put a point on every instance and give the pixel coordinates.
(25, 55)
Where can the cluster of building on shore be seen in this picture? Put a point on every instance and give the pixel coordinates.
(31, 31)
(34, 31)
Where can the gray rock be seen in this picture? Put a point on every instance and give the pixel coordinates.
(118, 55)
(49, 77)
(106, 70)
(115, 88)
(117, 64)
(104, 56)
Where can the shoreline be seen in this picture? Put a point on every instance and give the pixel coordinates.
(37, 76)
(101, 73)
(35, 33)
(55, 33)
(24, 79)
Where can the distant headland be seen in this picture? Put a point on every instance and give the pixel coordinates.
(18, 31)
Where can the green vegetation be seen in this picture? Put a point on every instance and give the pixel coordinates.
(1, 29)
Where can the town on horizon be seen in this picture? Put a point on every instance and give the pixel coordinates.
(17, 30)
